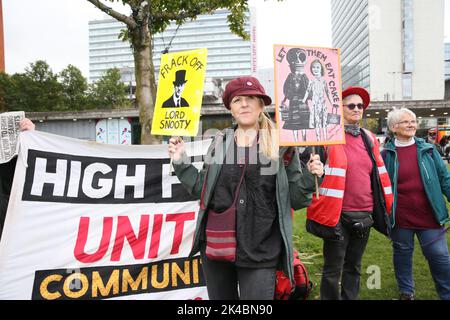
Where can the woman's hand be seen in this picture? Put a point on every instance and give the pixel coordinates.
(315, 166)
(26, 124)
(176, 148)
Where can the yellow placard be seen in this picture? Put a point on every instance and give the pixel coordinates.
(180, 93)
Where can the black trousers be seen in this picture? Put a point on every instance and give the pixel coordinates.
(225, 281)
(342, 265)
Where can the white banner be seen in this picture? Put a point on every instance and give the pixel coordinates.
(95, 221)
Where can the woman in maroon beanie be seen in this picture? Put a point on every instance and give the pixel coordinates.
(247, 188)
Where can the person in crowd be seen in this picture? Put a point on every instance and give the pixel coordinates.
(7, 174)
(441, 144)
(432, 139)
(247, 188)
(354, 195)
(447, 151)
(387, 139)
(420, 179)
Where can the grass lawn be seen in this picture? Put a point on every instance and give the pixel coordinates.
(378, 254)
(378, 257)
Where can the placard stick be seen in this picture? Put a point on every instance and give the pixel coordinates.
(171, 170)
(315, 177)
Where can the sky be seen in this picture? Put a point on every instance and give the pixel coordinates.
(57, 30)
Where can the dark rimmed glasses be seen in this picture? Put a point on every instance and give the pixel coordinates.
(352, 106)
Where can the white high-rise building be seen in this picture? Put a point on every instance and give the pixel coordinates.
(447, 61)
(228, 55)
(394, 48)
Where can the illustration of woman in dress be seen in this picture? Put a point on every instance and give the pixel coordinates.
(319, 88)
(296, 115)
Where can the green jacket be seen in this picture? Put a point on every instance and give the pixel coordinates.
(293, 190)
(433, 172)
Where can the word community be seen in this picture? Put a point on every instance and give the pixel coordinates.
(226, 309)
(101, 282)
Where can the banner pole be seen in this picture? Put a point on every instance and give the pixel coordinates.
(171, 171)
(316, 180)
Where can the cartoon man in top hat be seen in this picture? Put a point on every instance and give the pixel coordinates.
(176, 100)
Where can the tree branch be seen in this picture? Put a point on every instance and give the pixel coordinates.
(118, 16)
(175, 16)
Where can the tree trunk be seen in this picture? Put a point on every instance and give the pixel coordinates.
(145, 82)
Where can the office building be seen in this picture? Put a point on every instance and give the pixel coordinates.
(228, 55)
(447, 61)
(447, 71)
(394, 48)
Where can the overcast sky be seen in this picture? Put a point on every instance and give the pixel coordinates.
(57, 30)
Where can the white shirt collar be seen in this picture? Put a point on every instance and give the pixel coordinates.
(404, 144)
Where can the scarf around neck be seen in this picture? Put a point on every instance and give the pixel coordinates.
(353, 129)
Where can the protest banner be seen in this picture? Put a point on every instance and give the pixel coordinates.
(308, 95)
(180, 92)
(9, 128)
(95, 221)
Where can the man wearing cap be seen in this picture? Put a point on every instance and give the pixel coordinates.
(354, 195)
(176, 100)
(246, 190)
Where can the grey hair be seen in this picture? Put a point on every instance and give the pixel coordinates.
(394, 116)
(348, 97)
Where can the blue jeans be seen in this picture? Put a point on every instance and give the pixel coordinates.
(434, 247)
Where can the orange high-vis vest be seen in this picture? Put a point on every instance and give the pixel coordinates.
(327, 209)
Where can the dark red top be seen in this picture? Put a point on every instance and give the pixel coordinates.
(413, 208)
(358, 190)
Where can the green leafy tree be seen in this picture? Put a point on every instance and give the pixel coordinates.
(372, 124)
(109, 92)
(150, 17)
(5, 84)
(13, 97)
(35, 90)
(74, 88)
(41, 90)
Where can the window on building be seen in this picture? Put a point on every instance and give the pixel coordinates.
(408, 35)
(407, 86)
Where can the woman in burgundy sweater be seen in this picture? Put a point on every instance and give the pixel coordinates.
(419, 179)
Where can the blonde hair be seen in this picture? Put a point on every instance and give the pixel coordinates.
(268, 136)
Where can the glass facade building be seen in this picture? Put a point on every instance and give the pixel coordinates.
(350, 30)
(228, 55)
(392, 48)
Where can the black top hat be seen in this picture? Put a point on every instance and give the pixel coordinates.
(180, 77)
